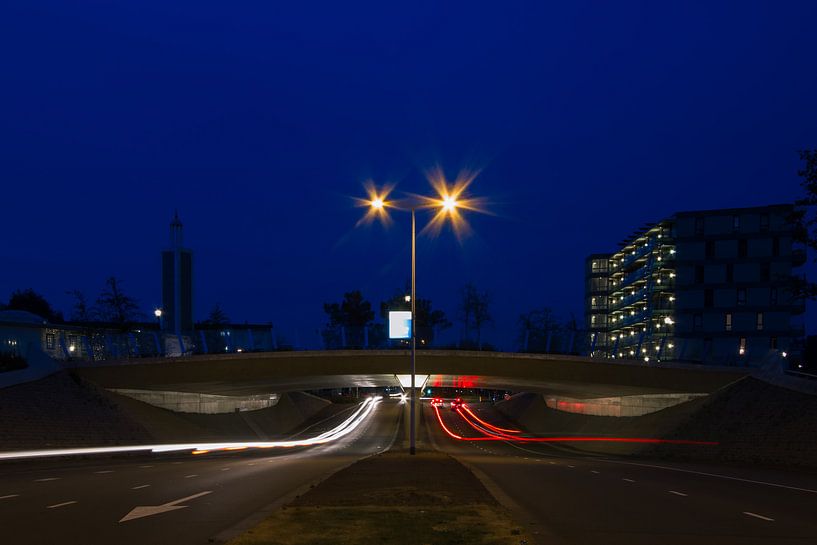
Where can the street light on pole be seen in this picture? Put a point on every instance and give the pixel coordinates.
(446, 204)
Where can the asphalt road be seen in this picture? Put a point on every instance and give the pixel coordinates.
(82, 502)
(565, 497)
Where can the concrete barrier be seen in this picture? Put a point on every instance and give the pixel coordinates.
(634, 405)
(187, 402)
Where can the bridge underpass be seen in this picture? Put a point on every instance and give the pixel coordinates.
(257, 373)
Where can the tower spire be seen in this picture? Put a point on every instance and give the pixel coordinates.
(176, 230)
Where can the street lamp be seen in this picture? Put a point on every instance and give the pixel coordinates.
(158, 314)
(447, 204)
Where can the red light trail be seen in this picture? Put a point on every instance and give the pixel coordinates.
(495, 433)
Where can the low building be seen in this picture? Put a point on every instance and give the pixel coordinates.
(705, 286)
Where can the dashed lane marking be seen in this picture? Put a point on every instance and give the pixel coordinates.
(63, 504)
(145, 467)
(9, 496)
(190, 476)
(45, 480)
(140, 486)
(594, 471)
(103, 471)
(628, 480)
(677, 493)
(761, 517)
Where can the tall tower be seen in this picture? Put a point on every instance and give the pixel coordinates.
(177, 283)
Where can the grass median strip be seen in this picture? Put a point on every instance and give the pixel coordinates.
(392, 498)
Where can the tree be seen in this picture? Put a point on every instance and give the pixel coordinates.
(31, 301)
(217, 316)
(429, 321)
(116, 307)
(805, 220)
(80, 312)
(536, 327)
(540, 330)
(348, 318)
(474, 312)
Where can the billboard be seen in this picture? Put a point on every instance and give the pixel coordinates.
(399, 324)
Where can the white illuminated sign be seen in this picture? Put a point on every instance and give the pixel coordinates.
(399, 324)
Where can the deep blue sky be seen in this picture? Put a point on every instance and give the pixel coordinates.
(259, 121)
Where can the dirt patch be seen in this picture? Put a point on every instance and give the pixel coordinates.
(392, 498)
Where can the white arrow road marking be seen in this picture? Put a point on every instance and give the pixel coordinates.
(149, 510)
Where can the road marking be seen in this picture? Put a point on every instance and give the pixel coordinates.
(628, 480)
(46, 479)
(176, 463)
(150, 510)
(571, 467)
(761, 517)
(594, 471)
(145, 467)
(9, 496)
(140, 486)
(63, 504)
(716, 475)
(190, 476)
(677, 493)
(104, 471)
(226, 468)
(252, 464)
(552, 463)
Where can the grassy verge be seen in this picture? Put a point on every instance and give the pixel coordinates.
(396, 499)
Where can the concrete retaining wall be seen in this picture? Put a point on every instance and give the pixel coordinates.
(186, 402)
(636, 405)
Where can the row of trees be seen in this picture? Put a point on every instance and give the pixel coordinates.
(349, 322)
(112, 306)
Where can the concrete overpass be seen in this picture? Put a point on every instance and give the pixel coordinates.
(255, 373)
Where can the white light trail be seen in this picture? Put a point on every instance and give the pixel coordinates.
(344, 428)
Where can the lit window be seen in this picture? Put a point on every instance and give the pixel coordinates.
(759, 321)
(727, 321)
(742, 346)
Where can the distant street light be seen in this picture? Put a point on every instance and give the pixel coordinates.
(158, 314)
(447, 204)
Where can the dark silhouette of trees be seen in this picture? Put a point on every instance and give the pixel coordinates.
(347, 321)
(80, 311)
(115, 307)
(540, 330)
(31, 301)
(217, 316)
(475, 313)
(429, 321)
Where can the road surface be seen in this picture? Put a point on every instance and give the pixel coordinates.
(85, 502)
(570, 498)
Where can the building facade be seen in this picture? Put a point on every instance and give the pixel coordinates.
(705, 286)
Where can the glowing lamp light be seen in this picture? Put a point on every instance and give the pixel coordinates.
(377, 203)
(72, 348)
(784, 354)
(449, 203)
(668, 321)
(157, 313)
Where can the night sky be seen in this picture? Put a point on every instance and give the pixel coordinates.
(259, 121)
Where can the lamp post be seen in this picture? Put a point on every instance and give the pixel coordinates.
(158, 314)
(447, 204)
